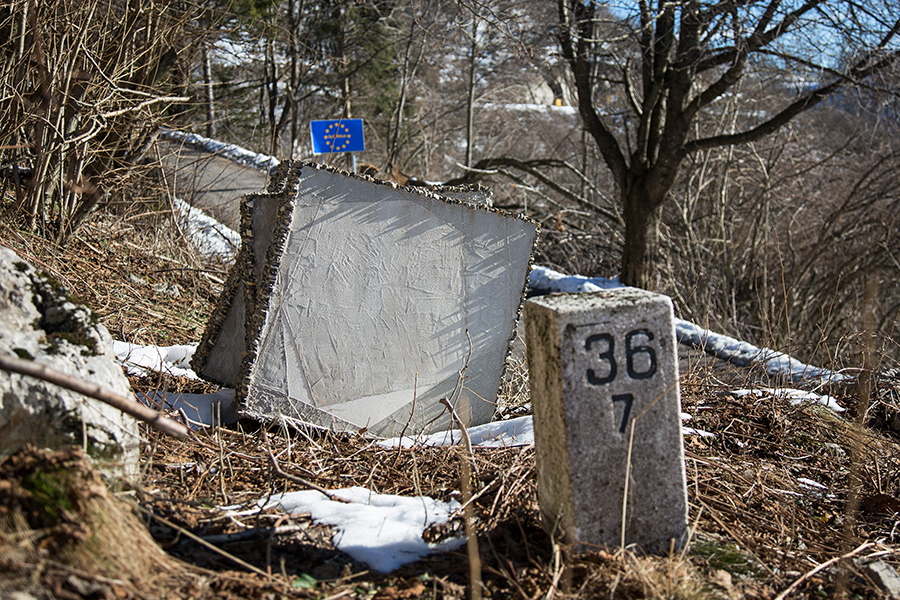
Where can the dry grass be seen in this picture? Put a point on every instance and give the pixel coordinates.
(133, 269)
(758, 529)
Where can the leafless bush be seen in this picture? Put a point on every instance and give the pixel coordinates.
(83, 86)
(777, 241)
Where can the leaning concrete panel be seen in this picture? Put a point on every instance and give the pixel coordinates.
(221, 350)
(374, 299)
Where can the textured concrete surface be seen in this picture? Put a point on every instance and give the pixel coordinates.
(209, 182)
(603, 370)
(373, 299)
(38, 322)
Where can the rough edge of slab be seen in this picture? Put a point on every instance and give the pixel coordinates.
(239, 276)
(286, 180)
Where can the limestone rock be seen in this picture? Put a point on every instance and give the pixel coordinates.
(40, 322)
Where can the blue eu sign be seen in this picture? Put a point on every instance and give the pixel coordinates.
(341, 135)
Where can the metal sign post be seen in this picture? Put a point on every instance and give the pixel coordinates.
(338, 135)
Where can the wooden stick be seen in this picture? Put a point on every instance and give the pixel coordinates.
(93, 390)
(824, 565)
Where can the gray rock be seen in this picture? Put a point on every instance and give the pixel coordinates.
(885, 577)
(40, 322)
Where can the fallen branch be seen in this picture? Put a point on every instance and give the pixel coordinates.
(93, 390)
(208, 545)
(309, 484)
(820, 567)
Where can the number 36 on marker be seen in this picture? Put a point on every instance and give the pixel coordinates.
(640, 363)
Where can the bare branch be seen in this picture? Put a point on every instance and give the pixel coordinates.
(93, 390)
(488, 166)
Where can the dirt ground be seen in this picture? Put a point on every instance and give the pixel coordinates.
(759, 529)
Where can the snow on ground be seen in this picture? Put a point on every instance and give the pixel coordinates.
(793, 396)
(531, 107)
(200, 410)
(141, 360)
(208, 237)
(499, 434)
(381, 530)
(386, 531)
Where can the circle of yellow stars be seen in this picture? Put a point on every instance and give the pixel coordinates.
(339, 139)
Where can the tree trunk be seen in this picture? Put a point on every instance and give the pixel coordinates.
(640, 256)
(470, 100)
(208, 93)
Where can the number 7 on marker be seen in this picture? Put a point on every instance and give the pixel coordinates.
(628, 399)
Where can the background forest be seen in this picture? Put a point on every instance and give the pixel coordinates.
(782, 240)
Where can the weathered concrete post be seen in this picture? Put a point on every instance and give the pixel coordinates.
(603, 371)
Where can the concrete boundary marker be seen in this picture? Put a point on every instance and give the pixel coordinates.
(603, 370)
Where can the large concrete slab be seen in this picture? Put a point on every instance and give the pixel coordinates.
(369, 302)
(222, 348)
(603, 372)
(207, 181)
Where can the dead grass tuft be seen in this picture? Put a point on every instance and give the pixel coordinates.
(133, 268)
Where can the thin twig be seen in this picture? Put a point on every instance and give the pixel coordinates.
(626, 486)
(275, 466)
(557, 569)
(249, 534)
(818, 568)
(93, 390)
(412, 411)
(208, 545)
(737, 538)
(475, 579)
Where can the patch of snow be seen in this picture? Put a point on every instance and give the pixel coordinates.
(743, 354)
(548, 280)
(533, 108)
(697, 432)
(499, 434)
(809, 483)
(140, 360)
(208, 236)
(242, 156)
(381, 530)
(795, 397)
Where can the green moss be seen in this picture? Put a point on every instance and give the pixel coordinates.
(21, 266)
(727, 557)
(49, 492)
(62, 325)
(23, 354)
(78, 337)
(72, 426)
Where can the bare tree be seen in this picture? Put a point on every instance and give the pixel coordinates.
(669, 65)
(84, 86)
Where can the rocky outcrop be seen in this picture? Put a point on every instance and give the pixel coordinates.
(39, 321)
